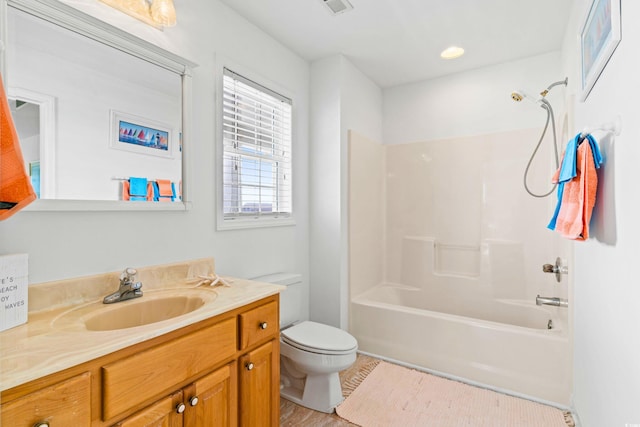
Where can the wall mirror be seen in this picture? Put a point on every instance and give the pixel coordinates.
(94, 106)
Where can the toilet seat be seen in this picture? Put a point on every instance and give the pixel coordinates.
(318, 338)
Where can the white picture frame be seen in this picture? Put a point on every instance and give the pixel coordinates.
(141, 135)
(600, 35)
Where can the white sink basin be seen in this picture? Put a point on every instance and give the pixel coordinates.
(152, 307)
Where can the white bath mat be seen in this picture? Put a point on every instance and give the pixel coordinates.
(392, 395)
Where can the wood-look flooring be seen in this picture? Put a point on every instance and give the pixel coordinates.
(294, 415)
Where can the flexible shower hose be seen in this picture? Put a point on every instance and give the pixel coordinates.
(545, 104)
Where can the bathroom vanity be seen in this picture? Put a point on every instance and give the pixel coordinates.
(217, 365)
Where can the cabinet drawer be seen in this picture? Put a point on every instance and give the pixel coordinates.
(61, 405)
(131, 381)
(258, 324)
(163, 413)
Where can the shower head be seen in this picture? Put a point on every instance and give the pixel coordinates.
(519, 95)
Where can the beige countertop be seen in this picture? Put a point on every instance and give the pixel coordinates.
(49, 342)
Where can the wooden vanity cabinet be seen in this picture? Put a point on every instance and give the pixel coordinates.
(163, 413)
(229, 364)
(67, 403)
(209, 401)
(259, 386)
(213, 400)
(259, 368)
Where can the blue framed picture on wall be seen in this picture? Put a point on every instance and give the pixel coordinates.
(140, 135)
(599, 38)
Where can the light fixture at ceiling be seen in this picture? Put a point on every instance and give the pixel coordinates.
(452, 52)
(336, 7)
(157, 13)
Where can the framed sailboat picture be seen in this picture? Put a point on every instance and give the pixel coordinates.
(140, 135)
(601, 33)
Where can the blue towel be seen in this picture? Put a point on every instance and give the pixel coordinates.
(597, 156)
(138, 187)
(554, 218)
(568, 169)
(568, 166)
(156, 191)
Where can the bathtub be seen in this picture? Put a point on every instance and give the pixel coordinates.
(508, 345)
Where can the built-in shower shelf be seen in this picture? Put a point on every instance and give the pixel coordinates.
(424, 257)
(457, 260)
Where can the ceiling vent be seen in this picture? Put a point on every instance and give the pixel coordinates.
(337, 7)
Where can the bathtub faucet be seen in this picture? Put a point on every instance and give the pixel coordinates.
(557, 302)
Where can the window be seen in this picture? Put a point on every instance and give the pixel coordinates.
(256, 130)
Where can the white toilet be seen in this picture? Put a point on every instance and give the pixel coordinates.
(311, 354)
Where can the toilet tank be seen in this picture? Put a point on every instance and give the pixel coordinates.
(290, 299)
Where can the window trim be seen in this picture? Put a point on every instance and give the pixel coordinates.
(247, 221)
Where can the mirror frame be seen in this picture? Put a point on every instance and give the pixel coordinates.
(77, 21)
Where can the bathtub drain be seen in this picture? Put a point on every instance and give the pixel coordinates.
(550, 324)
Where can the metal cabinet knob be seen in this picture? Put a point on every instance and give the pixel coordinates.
(41, 424)
(249, 366)
(180, 408)
(263, 325)
(194, 401)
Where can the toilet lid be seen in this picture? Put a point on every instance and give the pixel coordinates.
(319, 338)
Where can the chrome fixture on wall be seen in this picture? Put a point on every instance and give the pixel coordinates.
(558, 269)
(554, 301)
(518, 96)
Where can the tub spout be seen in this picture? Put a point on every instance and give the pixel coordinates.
(557, 302)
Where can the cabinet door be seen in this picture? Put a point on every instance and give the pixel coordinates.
(60, 405)
(260, 386)
(139, 378)
(163, 413)
(212, 400)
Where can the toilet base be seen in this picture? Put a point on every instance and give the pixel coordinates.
(321, 393)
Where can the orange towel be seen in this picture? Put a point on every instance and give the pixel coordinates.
(579, 197)
(164, 189)
(125, 190)
(16, 191)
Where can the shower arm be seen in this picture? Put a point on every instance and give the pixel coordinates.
(552, 85)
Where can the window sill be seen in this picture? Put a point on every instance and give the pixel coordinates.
(243, 223)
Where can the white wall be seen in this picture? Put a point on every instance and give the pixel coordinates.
(69, 244)
(471, 103)
(342, 99)
(324, 191)
(606, 292)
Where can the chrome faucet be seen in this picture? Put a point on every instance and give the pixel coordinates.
(557, 302)
(128, 288)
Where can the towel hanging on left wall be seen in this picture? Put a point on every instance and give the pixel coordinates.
(16, 190)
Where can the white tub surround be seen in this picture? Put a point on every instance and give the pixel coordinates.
(446, 250)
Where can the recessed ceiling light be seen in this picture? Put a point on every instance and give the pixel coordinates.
(452, 52)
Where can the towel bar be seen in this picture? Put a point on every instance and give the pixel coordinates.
(613, 127)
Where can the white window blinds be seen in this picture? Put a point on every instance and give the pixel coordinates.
(257, 150)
